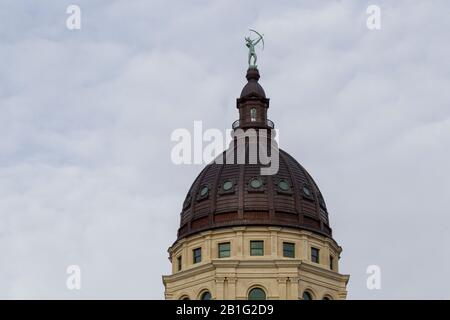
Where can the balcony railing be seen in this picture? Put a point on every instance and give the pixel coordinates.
(256, 124)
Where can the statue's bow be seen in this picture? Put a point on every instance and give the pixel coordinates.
(262, 39)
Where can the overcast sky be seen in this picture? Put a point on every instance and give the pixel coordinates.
(86, 116)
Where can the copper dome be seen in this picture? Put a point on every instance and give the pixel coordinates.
(225, 195)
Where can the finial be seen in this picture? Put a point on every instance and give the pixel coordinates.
(251, 48)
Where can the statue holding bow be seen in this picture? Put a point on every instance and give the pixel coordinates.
(251, 48)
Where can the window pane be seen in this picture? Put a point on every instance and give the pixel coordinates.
(288, 250)
(224, 250)
(197, 255)
(256, 248)
(179, 263)
(257, 294)
(315, 255)
(206, 296)
(307, 296)
(331, 262)
(253, 114)
(257, 252)
(257, 244)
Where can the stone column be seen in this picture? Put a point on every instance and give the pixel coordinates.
(240, 242)
(274, 241)
(185, 257)
(282, 286)
(294, 293)
(231, 291)
(220, 288)
(208, 249)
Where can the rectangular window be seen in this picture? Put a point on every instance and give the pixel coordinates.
(253, 114)
(331, 263)
(288, 250)
(224, 250)
(179, 262)
(315, 255)
(197, 255)
(257, 248)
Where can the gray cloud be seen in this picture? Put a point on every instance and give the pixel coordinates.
(86, 118)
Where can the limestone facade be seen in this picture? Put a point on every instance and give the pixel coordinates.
(232, 277)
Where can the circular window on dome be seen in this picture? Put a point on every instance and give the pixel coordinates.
(204, 191)
(284, 185)
(227, 185)
(256, 183)
(306, 191)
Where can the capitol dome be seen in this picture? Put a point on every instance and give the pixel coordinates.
(225, 195)
(254, 224)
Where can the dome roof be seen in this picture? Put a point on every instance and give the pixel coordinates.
(226, 195)
(235, 194)
(253, 88)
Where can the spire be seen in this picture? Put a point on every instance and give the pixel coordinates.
(253, 87)
(253, 104)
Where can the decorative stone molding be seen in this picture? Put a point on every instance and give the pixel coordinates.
(232, 277)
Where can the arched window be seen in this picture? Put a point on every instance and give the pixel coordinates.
(326, 298)
(307, 296)
(205, 296)
(185, 298)
(253, 114)
(257, 294)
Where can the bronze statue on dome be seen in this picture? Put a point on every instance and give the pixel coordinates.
(251, 48)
